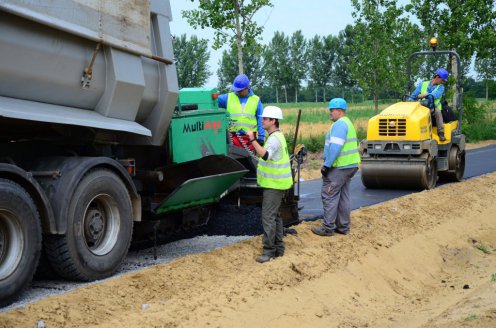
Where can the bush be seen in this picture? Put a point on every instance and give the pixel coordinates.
(313, 143)
(477, 124)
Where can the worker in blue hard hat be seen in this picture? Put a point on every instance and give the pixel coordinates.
(341, 160)
(435, 88)
(245, 109)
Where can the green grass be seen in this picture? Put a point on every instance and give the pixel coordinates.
(483, 248)
(321, 115)
(471, 317)
(493, 277)
(479, 120)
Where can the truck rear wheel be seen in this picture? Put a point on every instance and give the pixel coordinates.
(20, 240)
(99, 229)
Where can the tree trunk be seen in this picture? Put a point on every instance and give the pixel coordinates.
(376, 103)
(324, 94)
(352, 97)
(342, 93)
(316, 95)
(286, 94)
(454, 71)
(296, 94)
(277, 95)
(238, 38)
(487, 90)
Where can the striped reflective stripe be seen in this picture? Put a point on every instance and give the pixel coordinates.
(351, 139)
(251, 126)
(274, 176)
(337, 141)
(243, 115)
(348, 152)
(277, 166)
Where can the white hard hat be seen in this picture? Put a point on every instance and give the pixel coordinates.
(272, 112)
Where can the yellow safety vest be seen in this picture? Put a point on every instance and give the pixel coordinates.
(349, 153)
(437, 102)
(276, 174)
(246, 118)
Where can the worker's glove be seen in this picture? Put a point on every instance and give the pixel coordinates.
(325, 171)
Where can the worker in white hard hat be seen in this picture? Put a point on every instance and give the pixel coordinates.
(275, 177)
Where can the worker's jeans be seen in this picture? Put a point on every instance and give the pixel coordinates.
(439, 121)
(272, 222)
(337, 203)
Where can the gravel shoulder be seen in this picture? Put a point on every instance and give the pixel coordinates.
(422, 260)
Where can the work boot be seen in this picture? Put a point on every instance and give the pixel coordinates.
(264, 258)
(342, 232)
(322, 231)
(442, 137)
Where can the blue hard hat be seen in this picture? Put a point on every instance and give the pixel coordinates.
(442, 73)
(338, 103)
(240, 82)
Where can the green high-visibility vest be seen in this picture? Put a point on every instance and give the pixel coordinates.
(437, 102)
(246, 118)
(349, 153)
(276, 174)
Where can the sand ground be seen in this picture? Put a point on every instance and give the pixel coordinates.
(422, 260)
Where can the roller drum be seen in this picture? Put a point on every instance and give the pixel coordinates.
(399, 174)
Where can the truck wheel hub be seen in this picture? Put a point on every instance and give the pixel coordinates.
(95, 225)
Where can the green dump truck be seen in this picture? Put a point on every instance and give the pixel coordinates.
(97, 141)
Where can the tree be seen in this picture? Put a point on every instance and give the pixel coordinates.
(486, 69)
(467, 26)
(298, 58)
(277, 64)
(233, 21)
(321, 57)
(228, 67)
(329, 53)
(343, 75)
(316, 70)
(460, 25)
(192, 57)
(384, 40)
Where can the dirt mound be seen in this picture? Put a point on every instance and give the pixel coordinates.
(423, 260)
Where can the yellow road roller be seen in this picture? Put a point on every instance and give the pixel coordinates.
(403, 150)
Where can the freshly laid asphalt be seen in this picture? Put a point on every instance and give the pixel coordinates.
(477, 162)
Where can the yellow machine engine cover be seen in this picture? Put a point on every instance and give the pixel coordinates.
(407, 121)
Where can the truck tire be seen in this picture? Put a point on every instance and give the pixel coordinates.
(20, 240)
(99, 229)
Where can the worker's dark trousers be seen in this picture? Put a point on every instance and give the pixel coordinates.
(439, 121)
(337, 203)
(272, 222)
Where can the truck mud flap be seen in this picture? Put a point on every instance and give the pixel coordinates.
(197, 183)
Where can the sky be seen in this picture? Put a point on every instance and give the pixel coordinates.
(312, 17)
